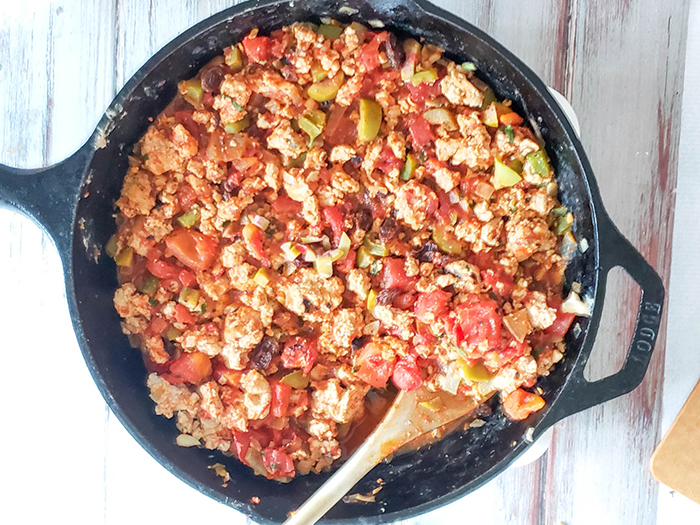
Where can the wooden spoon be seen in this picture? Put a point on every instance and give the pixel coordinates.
(411, 415)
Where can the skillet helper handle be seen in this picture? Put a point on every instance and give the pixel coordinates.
(615, 251)
(48, 196)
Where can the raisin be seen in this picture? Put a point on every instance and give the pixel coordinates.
(388, 295)
(389, 229)
(212, 79)
(261, 356)
(363, 219)
(394, 52)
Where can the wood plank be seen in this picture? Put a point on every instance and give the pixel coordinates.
(624, 78)
(53, 448)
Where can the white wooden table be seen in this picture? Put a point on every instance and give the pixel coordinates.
(63, 456)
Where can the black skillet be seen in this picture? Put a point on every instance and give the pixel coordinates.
(74, 202)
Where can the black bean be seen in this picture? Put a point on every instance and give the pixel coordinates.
(363, 219)
(483, 410)
(356, 161)
(325, 105)
(261, 356)
(212, 79)
(394, 52)
(389, 229)
(387, 295)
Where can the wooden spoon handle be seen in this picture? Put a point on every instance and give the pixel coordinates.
(360, 463)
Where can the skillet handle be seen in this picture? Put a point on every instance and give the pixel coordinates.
(48, 196)
(580, 394)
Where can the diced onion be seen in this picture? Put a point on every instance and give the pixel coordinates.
(260, 221)
(376, 24)
(484, 190)
(290, 251)
(453, 196)
(452, 380)
(344, 243)
(185, 440)
(326, 242)
(568, 246)
(372, 328)
(574, 305)
(583, 245)
(311, 239)
(309, 255)
(345, 10)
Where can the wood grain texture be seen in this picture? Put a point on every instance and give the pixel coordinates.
(619, 62)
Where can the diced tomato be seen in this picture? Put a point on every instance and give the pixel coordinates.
(480, 321)
(284, 205)
(157, 326)
(334, 218)
(519, 404)
(257, 49)
(372, 368)
(561, 324)
(347, 264)
(404, 301)
(187, 278)
(158, 368)
(421, 132)
(453, 328)
(430, 306)
(278, 463)
(500, 282)
(242, 442)
(387, 160)
(183, 315)
(192, 248)
(394, 274)
(191, 367)
(187, 196)
(230, 377)
(281, 394)
(300, 352)
(339, 128)
(163, 269)
(406, 374)
(253, 238)
(423, 335)
(277, 48)
(369, 55)
(423, 91)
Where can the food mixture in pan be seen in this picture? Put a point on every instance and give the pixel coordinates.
(327, 214)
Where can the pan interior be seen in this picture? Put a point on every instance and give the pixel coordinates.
(423, 479)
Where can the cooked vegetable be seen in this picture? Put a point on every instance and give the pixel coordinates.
(441, 117)
(189, 219)
(427, 76)
(261, 277)
(233, 58)
(409, 167)
(476, 372)
(446, 241)
(538, 163)
(574, 305)
(375, 246)
(125, 257)
(111, 246)
(331, 32)
(312, 123)
(327, 89)
(318, 73)
(371, 300)
(238, 126)
(434, 405)
(189, 297)
(296, 380)
(364, 257)
(192, 91)
(503, 176)
(324, 265)
(149, 285)
(370, 120)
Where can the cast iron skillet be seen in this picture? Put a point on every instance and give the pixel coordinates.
(74, 202)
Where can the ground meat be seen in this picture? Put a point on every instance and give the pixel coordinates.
(242, 331)
(458, 90)
(306, 292)
(274, 263)
(257, 395)
(332, 401)
(136, 198)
